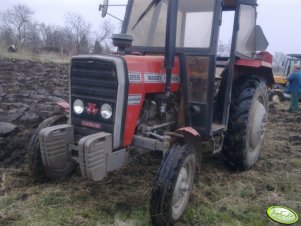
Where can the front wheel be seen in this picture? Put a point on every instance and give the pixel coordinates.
(173, 186)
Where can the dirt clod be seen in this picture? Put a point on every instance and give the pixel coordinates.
(28, 93)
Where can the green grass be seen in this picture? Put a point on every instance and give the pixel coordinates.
(296, 163)
(236, 214)
(233, 199)
(27, 55)
(63, 204)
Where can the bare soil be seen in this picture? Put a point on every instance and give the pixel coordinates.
(28, 92)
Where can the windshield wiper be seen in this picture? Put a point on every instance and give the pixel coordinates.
(150, 6)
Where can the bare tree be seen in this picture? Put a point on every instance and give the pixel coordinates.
(6, 36)
(17, 27)
(278, 60)
(105, 31)
(102, 38)
(54, 38)
(33, 40)
(224, 49)
(107, 49)
(17, 20)
(97, 49)
(79, 32)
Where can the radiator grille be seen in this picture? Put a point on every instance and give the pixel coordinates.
(94, 81)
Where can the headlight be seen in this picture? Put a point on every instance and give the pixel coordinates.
(106, 111)
(78, 106)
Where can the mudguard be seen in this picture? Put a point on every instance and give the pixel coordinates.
(189, 130)
(63, 104)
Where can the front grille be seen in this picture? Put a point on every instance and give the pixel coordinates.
(94, 81)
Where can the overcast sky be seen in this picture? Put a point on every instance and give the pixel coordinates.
(280, 19)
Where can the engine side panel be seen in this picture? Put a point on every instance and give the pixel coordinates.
(146, 76)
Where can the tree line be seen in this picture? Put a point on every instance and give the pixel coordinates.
(18, 28)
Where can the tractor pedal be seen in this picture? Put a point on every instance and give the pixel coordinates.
(93, 151)
(54, 143)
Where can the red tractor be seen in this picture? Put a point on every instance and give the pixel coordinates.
(159, 93)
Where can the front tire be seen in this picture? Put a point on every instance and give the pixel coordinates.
(35, 161)
(247, 123)
(173, 186)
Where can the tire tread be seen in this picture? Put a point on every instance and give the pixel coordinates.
(243, 92)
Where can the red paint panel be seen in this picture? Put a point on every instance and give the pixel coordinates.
(252, 63)
(265, 56)
(146, 75)
(264, 59)
(189, 130)
(132, 116)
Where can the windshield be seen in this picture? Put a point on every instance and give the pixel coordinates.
(246, 45)
(194, 25)
(291, 63)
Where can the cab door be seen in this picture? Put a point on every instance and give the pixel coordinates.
(197, 32)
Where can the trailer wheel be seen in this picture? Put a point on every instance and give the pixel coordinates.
(35, 161)
(247, 124)
(173, 185)
(276, 96)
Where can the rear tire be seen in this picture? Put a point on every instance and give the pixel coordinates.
(247, 124)
(35, 161)
(173, 186)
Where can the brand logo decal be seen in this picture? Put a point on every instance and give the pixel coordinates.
(91, 109)
(91, 124)
(154, 78)
(134, 99)
(160, 78)
(282, 215)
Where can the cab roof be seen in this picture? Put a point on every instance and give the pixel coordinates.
(295, 55)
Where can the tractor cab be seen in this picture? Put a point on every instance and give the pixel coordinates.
(188, 30)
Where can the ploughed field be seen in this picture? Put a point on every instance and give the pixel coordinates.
(28, 92)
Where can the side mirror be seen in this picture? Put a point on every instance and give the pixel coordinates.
(104, 8)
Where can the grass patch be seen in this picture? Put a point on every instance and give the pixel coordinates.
(296, 163)
(27, 55)
(198, 214)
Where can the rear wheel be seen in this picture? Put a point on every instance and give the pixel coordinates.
(173, 186)
(247, 124)
(35, 160)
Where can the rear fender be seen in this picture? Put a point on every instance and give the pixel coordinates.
(246, 67)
